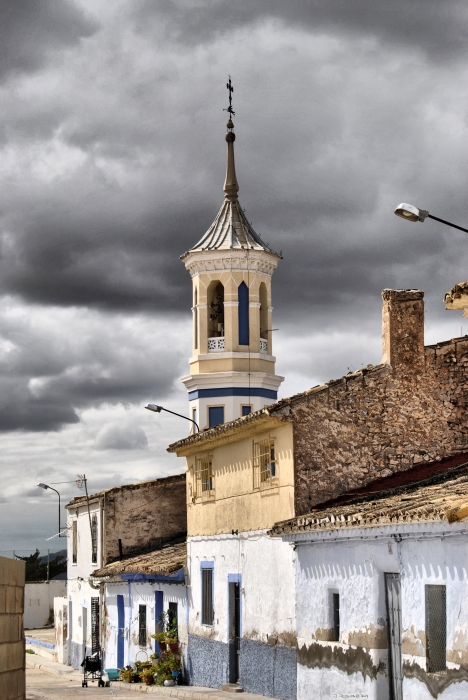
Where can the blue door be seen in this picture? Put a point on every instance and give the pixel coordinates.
(120, 631)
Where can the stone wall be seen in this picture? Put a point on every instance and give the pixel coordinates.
(12, 654)
(385, 418)
(144, 515)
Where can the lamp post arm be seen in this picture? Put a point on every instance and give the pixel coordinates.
(442, 221)
(180, 416)
(59, 530)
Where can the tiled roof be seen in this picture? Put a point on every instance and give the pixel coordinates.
(165, 561)
(231, 229)
(429, 497)
(82, 500)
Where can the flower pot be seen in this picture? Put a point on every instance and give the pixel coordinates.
(149, 680)
(162, 646)
(173, 646)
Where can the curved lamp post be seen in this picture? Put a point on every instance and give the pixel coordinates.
(411, 213)
(46, 486)
(158, 409)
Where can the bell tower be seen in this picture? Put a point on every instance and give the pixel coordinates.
(232, 368)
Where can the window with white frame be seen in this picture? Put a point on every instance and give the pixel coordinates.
(265, 466)
(204, 481)
(75, 541)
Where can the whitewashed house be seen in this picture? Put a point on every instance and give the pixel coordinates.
(114, 524)
(136, 591)
(382, 589)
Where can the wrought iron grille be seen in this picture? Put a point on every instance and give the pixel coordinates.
(95, 641)
(436, 629)
(264, 462)
(94, 538)
(336, 616)
(75, 541)
(142, 625)
(204, 476)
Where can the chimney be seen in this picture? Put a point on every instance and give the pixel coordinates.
(403, 328)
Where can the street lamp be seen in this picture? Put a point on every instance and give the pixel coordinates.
(411, 213)
(158, 409)
(46, 486)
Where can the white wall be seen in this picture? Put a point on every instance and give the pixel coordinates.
(61, 628)
(39, 602)
(267, 568)
(355, 569)
(136, 594)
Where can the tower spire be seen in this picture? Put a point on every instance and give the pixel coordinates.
(231, 188)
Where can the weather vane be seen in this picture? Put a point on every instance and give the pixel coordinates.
(231, 90)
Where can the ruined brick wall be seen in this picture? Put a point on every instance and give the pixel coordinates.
(144, 515)
(378, 421)
(12, 654)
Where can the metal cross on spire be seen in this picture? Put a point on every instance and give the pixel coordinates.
(231, 90)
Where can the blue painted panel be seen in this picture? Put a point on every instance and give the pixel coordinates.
(232, 391)
(120, 631)
(159, 608)
(246, 410)
(243, 309)
(216, 415)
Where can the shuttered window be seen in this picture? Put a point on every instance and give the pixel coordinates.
(95, 643)
(204, 476)
(207, 596)
(142, 625)
(264, 462)
(436, 629)
(75, 541)
(336, 616)
(94, 538)
(243, 312)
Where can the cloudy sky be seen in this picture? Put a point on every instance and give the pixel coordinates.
(112, 165)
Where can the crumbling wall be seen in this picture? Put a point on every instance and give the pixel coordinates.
(12, 654)
(380, 420)
(143, 516)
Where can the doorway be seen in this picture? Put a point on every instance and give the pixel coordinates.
(84, 627)
(393, 601)
(234, 627)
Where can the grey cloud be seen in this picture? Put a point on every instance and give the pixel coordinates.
(121, 437)
(32, 32)
(438, 29)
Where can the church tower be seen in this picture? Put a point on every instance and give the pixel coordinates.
(232, 368)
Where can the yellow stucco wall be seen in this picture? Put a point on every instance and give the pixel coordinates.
(236, 505)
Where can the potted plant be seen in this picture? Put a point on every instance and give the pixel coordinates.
(172, 636)
(160, 637)
(127, 674)
(147, 675)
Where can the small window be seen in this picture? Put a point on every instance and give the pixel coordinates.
(436, 629)
(75, 541)
(195, 320)
(336, 617)
(194, 418)
(264, 462)
(243, 313)
(215, 416)
(142, 625)
(207, 597)
(204, 476)
(172, 618)
(94, 538)
(246, 410)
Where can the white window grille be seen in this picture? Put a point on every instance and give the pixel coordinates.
(263, 345)
(215, 344)
(265, 467)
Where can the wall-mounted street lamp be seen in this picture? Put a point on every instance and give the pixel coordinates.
(411, 213)
(46, 486)
(158, 409)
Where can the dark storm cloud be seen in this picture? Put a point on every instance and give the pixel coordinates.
(439, 29)
(33, 32)
(49, 371)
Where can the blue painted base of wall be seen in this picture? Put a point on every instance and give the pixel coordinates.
(268, 670)
(77, 654)
(264, 669)
(207, 662)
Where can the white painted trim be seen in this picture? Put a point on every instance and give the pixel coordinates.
(232, 356)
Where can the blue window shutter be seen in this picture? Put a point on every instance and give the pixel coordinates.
(120, 631)
(246, 410)
(216, 415)
(243, 309)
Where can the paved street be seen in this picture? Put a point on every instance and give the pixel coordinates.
(41, 685)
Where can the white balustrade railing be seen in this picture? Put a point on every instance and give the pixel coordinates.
(263, 345)
(215, 344)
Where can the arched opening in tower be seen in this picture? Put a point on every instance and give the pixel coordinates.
(216, 310)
